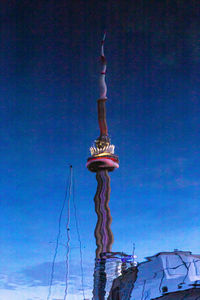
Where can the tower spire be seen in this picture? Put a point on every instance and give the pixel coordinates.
(101, 161)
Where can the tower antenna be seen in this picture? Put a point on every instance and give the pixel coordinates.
(102, 82)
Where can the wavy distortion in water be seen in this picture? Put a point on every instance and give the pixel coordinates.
(103, 233)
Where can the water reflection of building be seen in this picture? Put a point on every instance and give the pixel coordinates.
(166, 275)
(102, 161)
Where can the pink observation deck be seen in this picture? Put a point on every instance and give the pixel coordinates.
(102, 156)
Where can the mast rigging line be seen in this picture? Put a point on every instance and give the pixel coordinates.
(57, 239)
(68, 233)
(69, 191)
(79, 237)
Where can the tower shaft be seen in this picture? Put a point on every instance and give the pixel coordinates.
(103, 233)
